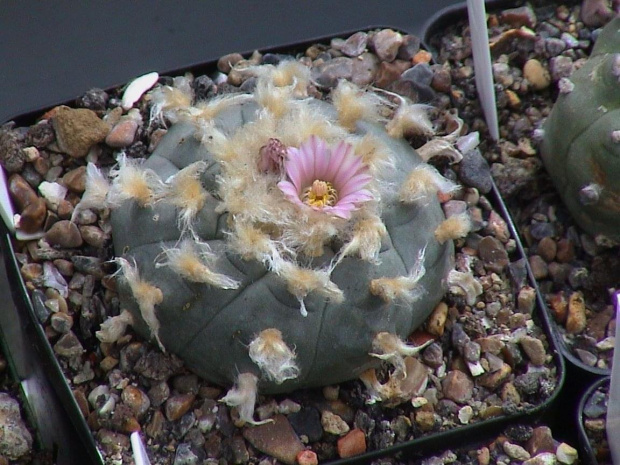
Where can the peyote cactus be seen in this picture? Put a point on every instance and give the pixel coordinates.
(581, 145)
(277, 241)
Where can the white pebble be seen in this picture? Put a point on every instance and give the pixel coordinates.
(468, 142)
(53, 193)
(137, 88)
(465, 414)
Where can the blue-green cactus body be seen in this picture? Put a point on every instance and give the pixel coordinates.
(211, 328)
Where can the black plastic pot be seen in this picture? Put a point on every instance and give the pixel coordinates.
(49, 399)
(588, 452)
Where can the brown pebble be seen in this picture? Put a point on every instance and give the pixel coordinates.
(442, 80)
(75, 180)
(536, 74)
(136, 400)
(495, 379)
(547, 248)
(576, 317)
(558, 306)
(93, 235)
(597, 325)
(155, 427)
(566, 251)
(526, 300)
(510, 394)
(457, 386)
(534, 349)
(422, 56)
(493, 254)
(82, 401)
(541, 441)
(179, 405)
(354, 443)
(386, 43)
(277, 439)
(64, 234)
(226, 62)
(492, 345)
(77, 130)
(123, 133)
(425, 420)
(61, 322)
(484, 456)
(436, 322)
(307, 457)
(388, 73)
(30, 271)
(22, 193)
(365, 69)
(539, 267)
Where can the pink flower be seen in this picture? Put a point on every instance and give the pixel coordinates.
(271, 156)
(331, 180)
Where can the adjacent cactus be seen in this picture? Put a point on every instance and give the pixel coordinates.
(273, 240)
(581, 146)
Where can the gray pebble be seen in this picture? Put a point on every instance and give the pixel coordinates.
(596, 405)
(475, 171)
(327, 74)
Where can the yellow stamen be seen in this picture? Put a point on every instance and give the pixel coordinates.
(320, 194)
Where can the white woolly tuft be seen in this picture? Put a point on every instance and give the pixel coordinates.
(353, 104)
(146, 295)
(410, 120)
(243, 396)
(423, 183)
(184, 190)
(401, 288)
(167, 103)
(366, 240)
(275, 359)
(96, 192)
(131, 181)
(193, 261)
(114, 328)
(452, 228)
(391, 348)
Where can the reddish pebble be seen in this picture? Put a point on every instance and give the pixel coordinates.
(307, 457)
(354, 443)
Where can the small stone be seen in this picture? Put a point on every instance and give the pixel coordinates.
(519, 17)
(409, 47)
(33, 216)
(433, 355)
(155, 427)
(457, 386)
(333, 424)
(354, 443)
(328, 73)
(526, 300)
(547, 249)
(495, 379)
(566, 454)
(77, 130)
(75, 180)
(178, 405)
(540, 270)
(93, 235)
(331, 392)
(425, 420)
(307, 422)
(442, 79)
(277, 439)
(534, 349)
(537, 75)
(355, 45)
(510, 394)
(587, 357)
(596, 405)
(68, 346)
(61, 322)
(226, 62)
(15, 439)
(307, 457)
(21, 192)
(561, 67)
(136, 400)
(566, 251)
(436, 322)
(64, 234)
(484, 456)
(475, 171)
(544, 458)
(388, 73)
(576, 318)
(515, 451)
(466, 413)
(498, 227)
(386, 43)
(493, 254)
(365, 69)
(123, 133)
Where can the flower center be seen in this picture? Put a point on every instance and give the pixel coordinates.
(320, 194)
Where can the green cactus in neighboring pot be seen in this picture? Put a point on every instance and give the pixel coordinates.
(581, 145)
(221, 247)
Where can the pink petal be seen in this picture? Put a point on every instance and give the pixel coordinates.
(306, 159)
(339, 153)
(349, 167)
(357, 197)
(340, 211)
(356, 183)
(322, 157)
(290, 192)
(293, 168)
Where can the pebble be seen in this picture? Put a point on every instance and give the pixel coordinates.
(307, 457)
(178, 405)
(493, 254)
(495, 379)
(328, 74)
(354, 443)
(386, 43)
(136, 400)
(61, 322)
(15, 439)
(21, 192)
(566, 454)
(307, 422)
(68, 346)
(124, 132)
(536, 74)
(576, 318)
(77, 130)
(277, 439)
(64, 234)
(541, 441)
(457, 386)
(515, 451)
(526, 300)
(409, 47)
(137, 88)
(93, 235)
(547, 248)
(33, 216)
(226, 62)
(355, 45)
(475, 171)
(561, 67)
(333, 424)
(436, 323)
(534, 349)
(388, 73)
(365, 69)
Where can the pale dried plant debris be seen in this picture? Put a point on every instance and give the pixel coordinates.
(243, 396)
(440, 148)
(115, 327)
(455, 227)
(423, 183)
(410, 120)
(467, 283)
(393, 349)
(146, 295)
(194, 261)
(275, 359)
(136, 88)
(401, 288)
(96, 191)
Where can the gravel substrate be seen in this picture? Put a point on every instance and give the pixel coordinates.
(489, 357)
